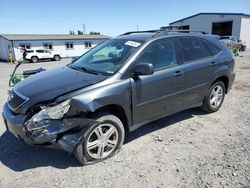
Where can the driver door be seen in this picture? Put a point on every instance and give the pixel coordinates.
(157, 95)
(46, 54)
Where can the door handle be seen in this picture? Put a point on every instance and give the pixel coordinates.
(178, 73)
(213, 63)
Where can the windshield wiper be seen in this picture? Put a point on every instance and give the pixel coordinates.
(84, 69)
(89, 70)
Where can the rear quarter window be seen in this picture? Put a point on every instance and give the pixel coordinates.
(214, 50)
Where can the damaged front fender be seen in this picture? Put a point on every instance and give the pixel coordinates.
(64, 133)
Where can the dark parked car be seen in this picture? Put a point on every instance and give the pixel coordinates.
(88, 106)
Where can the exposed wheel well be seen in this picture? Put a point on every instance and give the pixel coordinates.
(224, 79)
(118, 111)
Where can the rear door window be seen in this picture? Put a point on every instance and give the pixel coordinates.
(193, 49)
(206, 51)
(39, 51)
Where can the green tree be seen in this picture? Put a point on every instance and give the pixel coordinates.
(94, 33)
(72, 32)
(79, 32)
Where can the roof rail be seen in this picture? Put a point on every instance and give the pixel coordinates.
(147, 31)
(186, 31)
(164, 31)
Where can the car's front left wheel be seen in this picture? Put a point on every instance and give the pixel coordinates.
(102, 140)
(34, 59)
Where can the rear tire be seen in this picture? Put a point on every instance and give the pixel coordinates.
(57, 58)
(101, 140)
(34, 59)
(214, 98)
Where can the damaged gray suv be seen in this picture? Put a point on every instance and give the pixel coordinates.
(88, 106)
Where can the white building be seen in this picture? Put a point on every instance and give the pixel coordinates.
(223, 24)
(67, 45)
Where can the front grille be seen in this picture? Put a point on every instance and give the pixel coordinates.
(16, 100)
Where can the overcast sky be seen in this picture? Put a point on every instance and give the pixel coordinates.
(110, 17)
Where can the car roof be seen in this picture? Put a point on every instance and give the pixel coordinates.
(136, 36)
(157, 34)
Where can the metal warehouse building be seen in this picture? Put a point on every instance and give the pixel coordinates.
(223, 24)
(67, 45)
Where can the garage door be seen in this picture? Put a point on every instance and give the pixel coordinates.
(222, 28)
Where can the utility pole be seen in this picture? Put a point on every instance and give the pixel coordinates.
(137, 27)
(84, 29)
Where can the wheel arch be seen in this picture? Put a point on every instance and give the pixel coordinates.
(224, 79)
(117, 111)
(57, 55)
(34, 56)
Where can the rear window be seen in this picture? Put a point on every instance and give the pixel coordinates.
(214, 50)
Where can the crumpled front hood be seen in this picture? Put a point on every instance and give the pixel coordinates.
(55, 82)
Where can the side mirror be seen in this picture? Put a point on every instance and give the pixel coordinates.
(144, 69)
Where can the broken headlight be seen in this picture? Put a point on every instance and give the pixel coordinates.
(54, 112)
(42, 118)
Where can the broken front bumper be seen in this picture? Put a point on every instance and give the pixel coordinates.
(64, 133)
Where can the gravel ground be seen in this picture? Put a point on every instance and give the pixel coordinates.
(188, 149)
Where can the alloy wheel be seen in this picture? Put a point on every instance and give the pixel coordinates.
(102, 141)
(216, 96)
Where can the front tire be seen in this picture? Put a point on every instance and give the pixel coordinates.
(214, 98)
(56, 57)
(34, 59)
(100, 141)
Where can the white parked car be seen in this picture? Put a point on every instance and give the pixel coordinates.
(35, 55)
(230, 41)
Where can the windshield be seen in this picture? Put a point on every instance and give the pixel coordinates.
(108, 57)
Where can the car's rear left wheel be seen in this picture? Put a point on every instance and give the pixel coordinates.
(214, 98)
(102, 140)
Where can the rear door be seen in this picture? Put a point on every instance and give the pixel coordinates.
(199, 67)
(159, 94)
(40, 54)
(46, 54)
